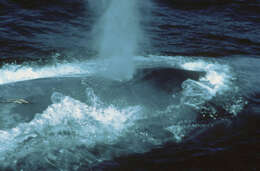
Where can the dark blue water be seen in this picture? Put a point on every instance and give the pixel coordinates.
(39, 34)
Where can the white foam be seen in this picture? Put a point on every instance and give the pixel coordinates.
(216, 73)
(217, 79)
(88, 124)
(217, 76)
(13, 73)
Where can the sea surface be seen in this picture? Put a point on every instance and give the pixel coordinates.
(130, 85)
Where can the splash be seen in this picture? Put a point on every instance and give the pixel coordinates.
(66, 125)
(69, 131)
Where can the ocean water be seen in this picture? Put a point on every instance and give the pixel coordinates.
(129, 85)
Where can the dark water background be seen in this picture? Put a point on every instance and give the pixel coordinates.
(35, 30)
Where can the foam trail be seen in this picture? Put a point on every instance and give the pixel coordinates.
(120, 34)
